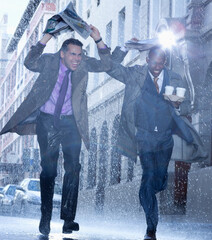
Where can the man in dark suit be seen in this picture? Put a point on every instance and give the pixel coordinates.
(148, 122)
(56, 110)
(154, 124)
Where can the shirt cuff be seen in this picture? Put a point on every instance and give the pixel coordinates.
(105, 46)
(42, 43)
(123, 49)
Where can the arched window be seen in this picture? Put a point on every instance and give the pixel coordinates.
(103, 160)
(92, 159)
(115, 170)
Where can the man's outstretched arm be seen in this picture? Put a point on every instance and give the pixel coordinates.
(34, 61)
(95, 34)
(104, 64)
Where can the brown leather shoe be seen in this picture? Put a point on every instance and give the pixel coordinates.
(150, 236)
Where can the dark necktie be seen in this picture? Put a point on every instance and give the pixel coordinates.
(156, 83)
(60, 100)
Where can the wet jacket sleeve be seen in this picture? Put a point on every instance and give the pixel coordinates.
(102, 65)
(34, 60)
(118, 71)
(118, 55)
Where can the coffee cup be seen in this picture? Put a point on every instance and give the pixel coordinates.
(169, 90)
(180, 92)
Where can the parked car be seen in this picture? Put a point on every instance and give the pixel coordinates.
(7, 198)
(27, 198)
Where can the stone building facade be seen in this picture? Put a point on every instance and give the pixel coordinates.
(19, 156)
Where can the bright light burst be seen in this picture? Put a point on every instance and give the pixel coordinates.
(167, 39)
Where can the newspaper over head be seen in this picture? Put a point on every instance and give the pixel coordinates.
(142, 45)
(67, 20)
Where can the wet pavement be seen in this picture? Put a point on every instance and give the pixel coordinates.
(15, 228)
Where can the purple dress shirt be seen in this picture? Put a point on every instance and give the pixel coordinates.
(49, 106)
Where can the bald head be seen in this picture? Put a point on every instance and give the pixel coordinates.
(157, 52)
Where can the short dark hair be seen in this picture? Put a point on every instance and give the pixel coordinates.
(72, 41)
(156, 50)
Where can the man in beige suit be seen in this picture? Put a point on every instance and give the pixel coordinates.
(56, 111)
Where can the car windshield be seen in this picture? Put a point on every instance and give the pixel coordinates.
(34, 186)
(11, 190)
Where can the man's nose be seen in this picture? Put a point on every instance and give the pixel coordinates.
(78, 58)
(158, 67)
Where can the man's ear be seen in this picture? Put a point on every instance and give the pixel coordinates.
(62, 54)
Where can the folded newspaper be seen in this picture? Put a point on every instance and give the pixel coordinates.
(67, 20)
(142, 45)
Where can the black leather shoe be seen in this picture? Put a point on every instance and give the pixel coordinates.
(44, 226)
(150, 236)
(70, 226)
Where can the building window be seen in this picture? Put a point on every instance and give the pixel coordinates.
(108, 40)
(115, 169)
(80, 7)
(13, 76)
(148, 18)
(88, 3)
(36, 35)
(88, 13)
(109, 34)
(2, 94)
(121, 27)
(87, 49)
(74, 3)
(165, 8)
(63, 5)
(22, 65)
(136, 19)
(88, 8)
(19, 143)
(50, 1)
(154, 16)
(170, 9)
(31, 141)
(179, 8)
(92, 159)
(96, 75)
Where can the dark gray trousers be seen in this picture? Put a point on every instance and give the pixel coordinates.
(49, 140)
(154, 180)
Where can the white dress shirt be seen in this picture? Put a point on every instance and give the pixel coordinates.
(160, 79)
